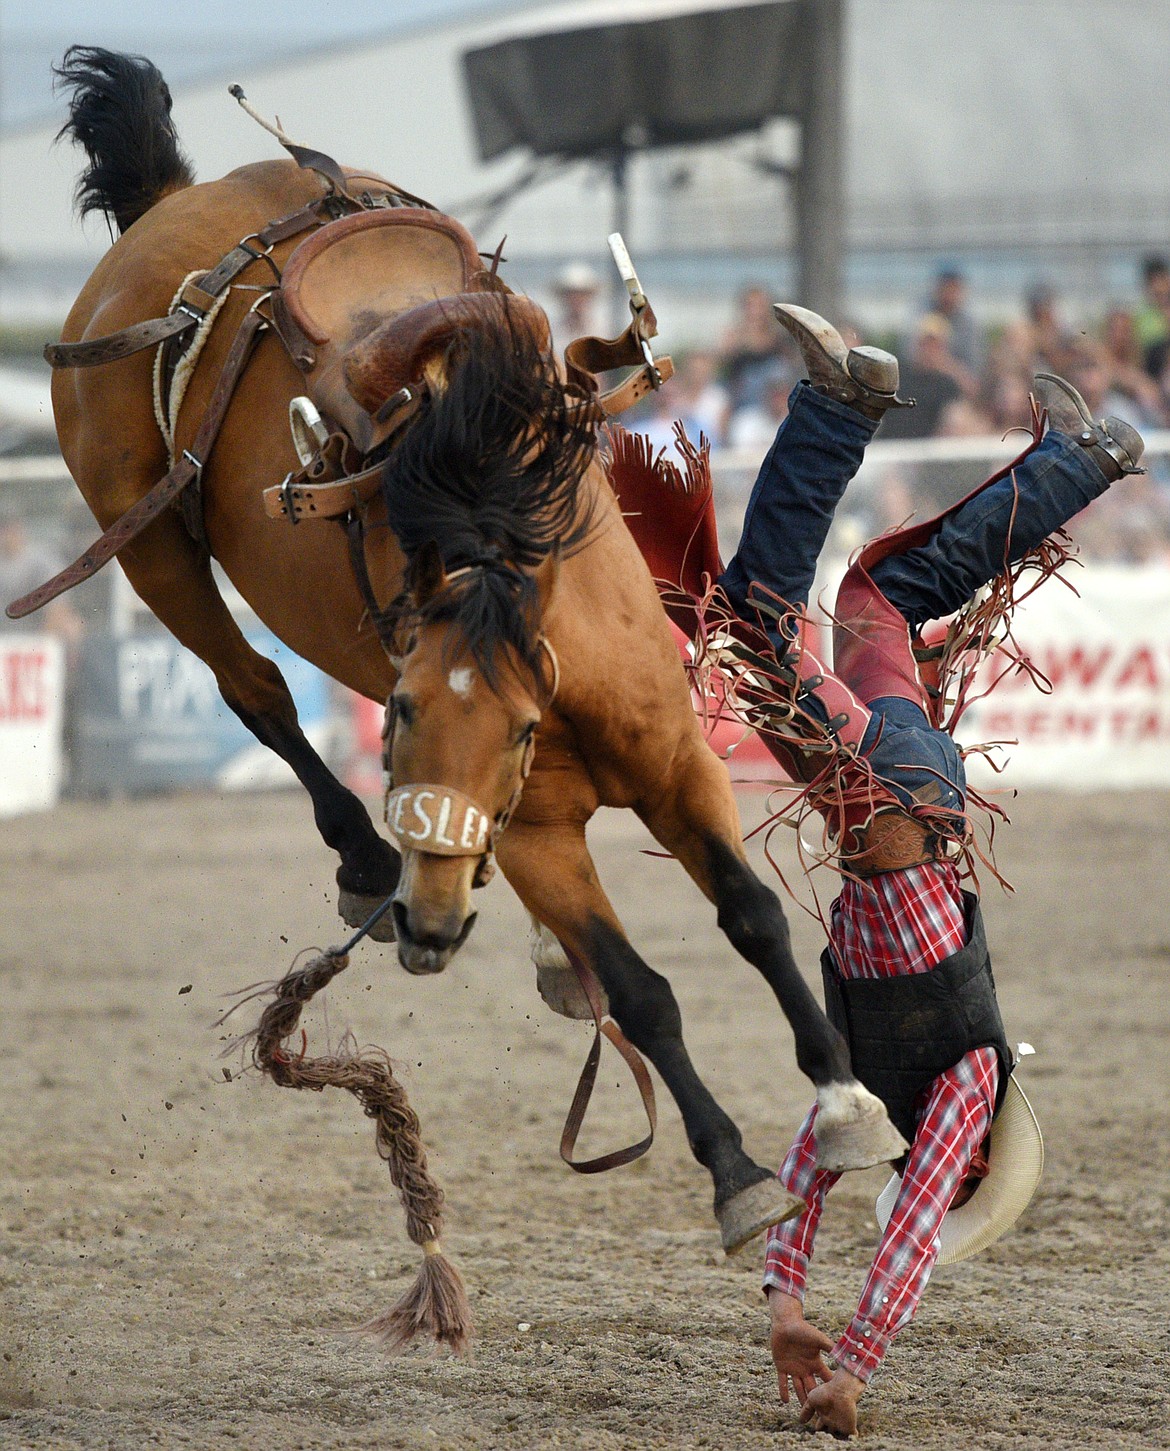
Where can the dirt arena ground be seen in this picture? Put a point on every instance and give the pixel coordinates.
(180, 1252)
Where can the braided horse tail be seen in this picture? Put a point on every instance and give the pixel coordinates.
(120, 113)
(436, 1304)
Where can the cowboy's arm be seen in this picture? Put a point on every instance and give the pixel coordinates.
(955, 1121)
(790, 1245)
(797, 1347)
(951, 1130)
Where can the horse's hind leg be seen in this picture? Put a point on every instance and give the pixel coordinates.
(698, 822)
(171, 575)
(552, 872)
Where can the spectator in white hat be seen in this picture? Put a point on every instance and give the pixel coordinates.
(577, 289)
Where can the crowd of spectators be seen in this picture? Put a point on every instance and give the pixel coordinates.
(969, 381)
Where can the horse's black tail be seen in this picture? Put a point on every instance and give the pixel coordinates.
(120, 112)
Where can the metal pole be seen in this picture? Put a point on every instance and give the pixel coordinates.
(618, 297)
(820, 188)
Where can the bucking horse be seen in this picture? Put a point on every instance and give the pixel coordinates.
(316, 379)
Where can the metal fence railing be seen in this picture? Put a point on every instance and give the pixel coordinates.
(1129, 525)
(920, 477)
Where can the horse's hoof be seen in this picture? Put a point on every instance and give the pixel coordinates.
(853, 1129)
(356, 910)
(754, 1210)
(556, 980)
(562, 991)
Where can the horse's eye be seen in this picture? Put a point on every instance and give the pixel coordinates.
(527, 733)
(403, 709)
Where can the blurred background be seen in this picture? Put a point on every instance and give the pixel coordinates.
(979, 184)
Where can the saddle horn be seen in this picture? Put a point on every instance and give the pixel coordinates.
(393, 355)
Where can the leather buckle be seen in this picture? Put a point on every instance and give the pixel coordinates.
(196, 464)
(653, 374)
(263, 254)
(286, 499)
(265, 247)
(393, 404)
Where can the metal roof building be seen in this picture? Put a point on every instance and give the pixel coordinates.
(1019, 136)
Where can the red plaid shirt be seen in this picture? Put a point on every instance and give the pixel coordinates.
(895, 923)
(898, 922)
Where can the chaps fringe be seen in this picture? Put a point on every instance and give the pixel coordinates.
(436, 1304)
(738, 678)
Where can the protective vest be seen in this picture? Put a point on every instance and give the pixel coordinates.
(904, 1031)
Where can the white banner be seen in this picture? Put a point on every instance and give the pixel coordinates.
(32, 700)
(1105, 650)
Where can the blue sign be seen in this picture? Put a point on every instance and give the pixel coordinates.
(148, 716)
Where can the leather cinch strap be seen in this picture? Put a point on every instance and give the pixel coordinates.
(164, 493)
(197, 299)
(120, 344)
(602, 1023)
(298, 501)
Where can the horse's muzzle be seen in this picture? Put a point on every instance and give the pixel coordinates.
(428, 952)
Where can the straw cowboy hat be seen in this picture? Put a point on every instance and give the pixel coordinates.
(1015, 1161)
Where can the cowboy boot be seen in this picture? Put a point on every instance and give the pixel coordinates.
(866, 378)
(1113, 445)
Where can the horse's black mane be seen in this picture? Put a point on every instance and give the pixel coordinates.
(491, 471)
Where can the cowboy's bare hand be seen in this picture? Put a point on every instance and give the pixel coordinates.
(797, 1347)
(833, 1406)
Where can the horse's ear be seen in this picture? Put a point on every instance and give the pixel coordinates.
(548, 571)
(427, 575)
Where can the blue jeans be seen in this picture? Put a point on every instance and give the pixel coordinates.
(817, 450)
(1057, 480)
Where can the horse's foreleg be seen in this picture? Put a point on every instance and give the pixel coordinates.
(698, 822)
(554, 875)
(369, 868)
(170, 575)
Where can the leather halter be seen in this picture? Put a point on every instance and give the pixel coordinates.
(440, 820)
(437, 820)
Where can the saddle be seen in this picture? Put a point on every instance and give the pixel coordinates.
(367, 301)
(367, 304)
(364, 306)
